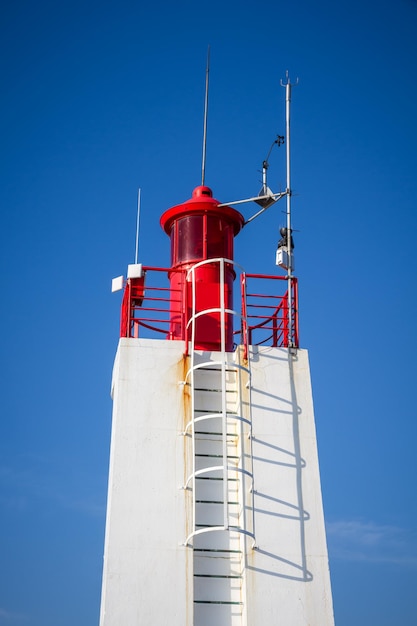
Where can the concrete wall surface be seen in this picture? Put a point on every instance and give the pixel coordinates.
(150, 577)
(146, 576)
(287, 574)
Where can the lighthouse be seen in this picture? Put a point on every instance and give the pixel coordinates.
(214, 511)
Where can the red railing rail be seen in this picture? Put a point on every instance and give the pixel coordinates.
(150, 308)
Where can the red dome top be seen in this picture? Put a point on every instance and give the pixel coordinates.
(202, 201)
(202, 191)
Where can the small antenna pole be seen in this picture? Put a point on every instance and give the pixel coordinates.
(203, 164)
(288, 191)
(137, 228)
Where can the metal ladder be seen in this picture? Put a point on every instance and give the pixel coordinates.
(219, 477)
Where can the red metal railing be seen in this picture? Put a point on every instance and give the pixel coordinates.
(265, 313)
(149, 304)
(150, 308)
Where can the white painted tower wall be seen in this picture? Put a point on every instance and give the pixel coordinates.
(150, 576)
(146, 576)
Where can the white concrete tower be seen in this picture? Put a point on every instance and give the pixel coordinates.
(214, 513)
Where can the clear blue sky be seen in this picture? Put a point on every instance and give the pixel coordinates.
(102, 98)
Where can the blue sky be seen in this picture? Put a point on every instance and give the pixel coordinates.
(102, 98)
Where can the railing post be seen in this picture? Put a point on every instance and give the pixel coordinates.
(275, 329)
(286, 311)
(243, 321)
(124, 313)
(295, 309)
(129, 308)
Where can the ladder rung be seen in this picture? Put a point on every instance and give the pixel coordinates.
(217, 456)
(215, 525)
(204, 432)
(218, 390)
(217, 602)
(216, 576)
(216, 369)
(215, 478)
(217, 550)
(215, 502)
(219, 413)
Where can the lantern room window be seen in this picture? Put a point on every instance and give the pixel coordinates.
(198, 237)
(219, 238)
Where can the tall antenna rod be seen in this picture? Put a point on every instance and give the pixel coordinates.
(288, 86)
(203, 165)
(137, 228)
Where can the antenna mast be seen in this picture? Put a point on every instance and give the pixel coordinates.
(203, 165)
(137, 228)
(288, 191)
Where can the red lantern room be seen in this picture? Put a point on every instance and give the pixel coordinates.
(201, 230)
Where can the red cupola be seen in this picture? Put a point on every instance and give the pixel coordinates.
(201, 230)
